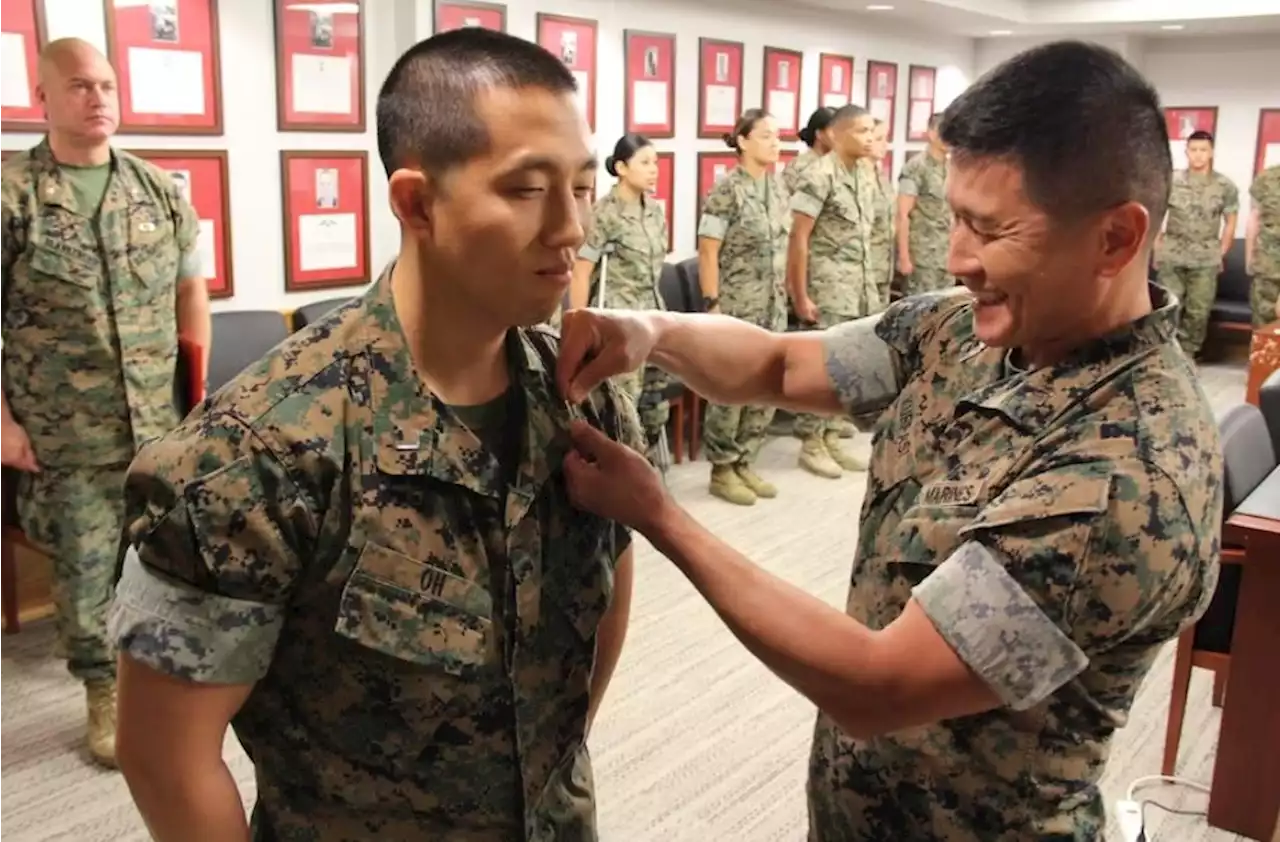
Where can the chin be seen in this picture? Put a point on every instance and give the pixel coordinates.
(993, 325)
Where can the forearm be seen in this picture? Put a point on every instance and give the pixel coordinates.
(726, 360)
(798, 269)
(904, 238)
(709, 272)
(1228, 234)
(195, 323)
(182, 801)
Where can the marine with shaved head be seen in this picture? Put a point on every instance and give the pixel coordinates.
(101, 276)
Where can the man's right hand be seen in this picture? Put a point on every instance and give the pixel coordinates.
(598, 344)
(16, 450)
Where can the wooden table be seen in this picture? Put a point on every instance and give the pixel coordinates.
(1264, 358)
(1245, 795)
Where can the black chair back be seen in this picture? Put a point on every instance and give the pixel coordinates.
(1233, 282)
(241, 338)
(1269, 403)
(1247, 453)
(690, 275)
(672, 288)
(316, 310)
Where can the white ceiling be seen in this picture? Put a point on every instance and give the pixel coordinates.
(1148, 18)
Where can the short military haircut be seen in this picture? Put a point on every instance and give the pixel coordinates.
(1084, 126)
(934, 119)
(1201, 134)
(427, 106)
(847, 112)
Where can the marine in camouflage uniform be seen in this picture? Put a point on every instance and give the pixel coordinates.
(751, 218)
(841, 281)
(924, 178)
(92, 260)
(797, 167)
(404, 582)
(1058, 526)
(1265, 288)
(882, 229)
(1190, 254)
(637, 234)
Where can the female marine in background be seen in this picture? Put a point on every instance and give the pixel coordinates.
(882, 225)
(818, 138)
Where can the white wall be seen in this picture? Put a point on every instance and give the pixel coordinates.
(391, 26)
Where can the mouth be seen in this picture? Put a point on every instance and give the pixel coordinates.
(989, 299)
(560, 272)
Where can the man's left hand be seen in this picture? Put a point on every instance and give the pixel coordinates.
(612, 480)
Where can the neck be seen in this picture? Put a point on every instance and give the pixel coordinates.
(936, 153)
(67, 151)
(628, 192)
(850, 161)
(462, 362)
(1130, 302)
(820, 149)
(1199, 170)
(754, 168)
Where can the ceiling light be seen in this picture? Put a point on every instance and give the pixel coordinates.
(1173, 27)
(879, 8)
(1002, 32)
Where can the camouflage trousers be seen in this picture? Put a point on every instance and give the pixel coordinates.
(1195, 287)
(925, 279)
(734, 434)
(1263, 293)
(76, 516)
(883, 263)
(645, 390)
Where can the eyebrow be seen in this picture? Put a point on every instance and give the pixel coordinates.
(546, 163)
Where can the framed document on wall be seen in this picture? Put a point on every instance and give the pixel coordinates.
(835, 80)
(22, 22)
(320, 66)
(719, 87)
(166, 58)
(921, 82)
(449, 16)
(326, 219)
(782, 71)
(1268, 153)
(712, 166)
(1182, 122)
(574, 41)
(202, 177)
(882, 92)
(650, 62)
(664, 190)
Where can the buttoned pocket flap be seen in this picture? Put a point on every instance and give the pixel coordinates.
(1084, 496)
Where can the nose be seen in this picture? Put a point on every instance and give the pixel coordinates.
(563, 226)
(962, 254)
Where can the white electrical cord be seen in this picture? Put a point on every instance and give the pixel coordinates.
(1129, 812)
(1146, 780)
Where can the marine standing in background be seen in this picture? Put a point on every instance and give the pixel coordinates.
(1262, 246)
(829, 263)
(924, 218)
(629, 228)
(742, 263)
(882, 226)
(817, 136)
(1199, 229)
(101, 277)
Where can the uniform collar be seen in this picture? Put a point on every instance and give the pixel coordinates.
(54, 188)
(635, 210)
(416, 434)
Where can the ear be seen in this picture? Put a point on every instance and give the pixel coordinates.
(1123, 237)
(413, 195)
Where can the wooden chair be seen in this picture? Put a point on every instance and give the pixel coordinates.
(1248, 458)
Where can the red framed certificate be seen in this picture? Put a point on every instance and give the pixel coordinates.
(782, 71)
(574, 40)
(719, 87)
(449, 16)
(1268, 152)
(882, 88)
(835, 80)
(650, 61)
(1182, 123)
(202, 177)
(712, 166)
(22, 23)
(785, 157)
(921, 82)
(326, 219)
(320, 66)
(165, 53)
(665, 189)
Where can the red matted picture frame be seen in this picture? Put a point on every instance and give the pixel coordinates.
(1268, 139)
(24, 19)
(448, 16)
(316, 50)
(922, 84)
(665, 192)
(709, 172)
(166, 58)
(1181, 121)
(882, 92)
(575, 41)
(835, 80)
(649, 59)
(325, 197)
(719, 87)
(785, 157)
(783, 70)
(204, 177)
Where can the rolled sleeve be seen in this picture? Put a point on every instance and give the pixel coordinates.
(907, 186)
(806, 203)
(861, 366)
(712, 227)
(1231, 202)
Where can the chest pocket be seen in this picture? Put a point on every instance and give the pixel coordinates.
(417, 612)
(927, 535)
(64, 248)
(153, 251)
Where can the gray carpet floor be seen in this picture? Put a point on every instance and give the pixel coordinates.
(696, 741)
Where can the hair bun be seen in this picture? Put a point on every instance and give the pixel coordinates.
(730, 141)
(610, 166)
(806, 136)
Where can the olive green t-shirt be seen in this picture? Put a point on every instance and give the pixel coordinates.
(89, 184)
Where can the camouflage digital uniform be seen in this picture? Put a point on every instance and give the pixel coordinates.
(415, 599)
(882, 230)
(1265, 288)
(842, 279)
(1058, 526)
(752, 220)
(797, 167)
(638, 234)
(1190, 258)
(929, 223)
(90, 354)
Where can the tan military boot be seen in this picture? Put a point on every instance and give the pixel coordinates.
(728, 486)
(815, 459)
(844, 428)
(755, 482)
(100, 697)
(842, 457)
